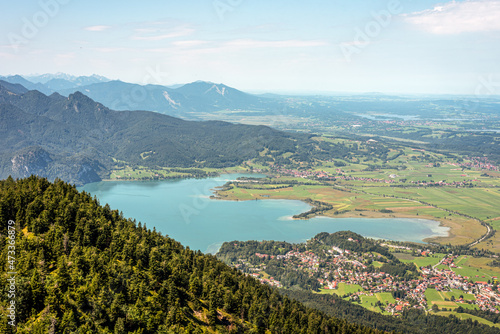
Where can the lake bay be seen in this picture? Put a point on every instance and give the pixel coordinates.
(183, 210)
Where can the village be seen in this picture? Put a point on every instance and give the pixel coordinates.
(480, 163)
(342, 175)
(338, 266)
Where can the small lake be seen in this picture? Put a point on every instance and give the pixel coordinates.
(183, 210)
(384, 117)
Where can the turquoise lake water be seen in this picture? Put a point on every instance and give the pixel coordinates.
(183, 210)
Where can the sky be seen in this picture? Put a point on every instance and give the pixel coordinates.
(316, 46)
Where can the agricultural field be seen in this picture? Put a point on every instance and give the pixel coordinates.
(446, 299)
(476, 269)
(366, 301)
(482, 203)
(343, 289)
(420, 261)
(385, 297)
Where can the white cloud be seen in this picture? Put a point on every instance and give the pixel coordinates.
(146, 30)
(9, 56)
(68, 55)
(189, 43)
(141, 36)
(97, 28)
(252, 43)
(63, 59)
(110, 49)
(200, 47)
(356, 43)
(459, 17)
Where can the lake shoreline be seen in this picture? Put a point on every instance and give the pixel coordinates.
(184, 211)
(349, 214)
(180, 177)
(357, 214)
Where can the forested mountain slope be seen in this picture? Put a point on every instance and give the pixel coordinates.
(76, 138)
(84, 268)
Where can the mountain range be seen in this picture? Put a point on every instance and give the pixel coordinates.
(177, 100)
(77, 139)
(17, 79)
(59, 81)
(200, 96)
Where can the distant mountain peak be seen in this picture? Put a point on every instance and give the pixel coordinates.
(17, 79)
(203, 88)
(76, 80)
(80, 97)
(12, 88)
(81, 102)
(204, 82)
(76, 95)
(16, 76)
(220, 90)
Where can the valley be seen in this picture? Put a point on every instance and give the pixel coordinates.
(260, 167)
(426, 186)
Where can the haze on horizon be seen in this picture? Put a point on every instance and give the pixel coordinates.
(403, 46)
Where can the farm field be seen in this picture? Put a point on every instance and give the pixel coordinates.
(480, 203)
(420, 261)
(477, 274)
(343, 289)
(385, 297)
(475, 268)
(445, 299)
(366, 301)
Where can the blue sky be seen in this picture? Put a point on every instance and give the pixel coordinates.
(393, 46)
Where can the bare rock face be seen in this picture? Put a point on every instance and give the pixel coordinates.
(30, 161)
(75, 168)
(85, 171)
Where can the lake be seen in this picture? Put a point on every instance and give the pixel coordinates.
(383, 117)
(183, 210)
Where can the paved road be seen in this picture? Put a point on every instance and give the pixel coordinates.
(483, 237)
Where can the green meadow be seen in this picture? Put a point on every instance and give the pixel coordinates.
(420, 261)
(343, 289)
(444, 298)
